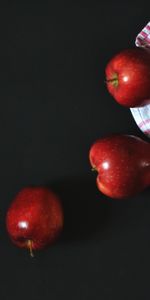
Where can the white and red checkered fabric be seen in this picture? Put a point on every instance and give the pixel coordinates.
(142, 114)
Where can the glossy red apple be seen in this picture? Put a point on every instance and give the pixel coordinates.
(35, 218)
(128, 77)
(123, 165)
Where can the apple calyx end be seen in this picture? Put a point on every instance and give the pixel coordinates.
(30, 247)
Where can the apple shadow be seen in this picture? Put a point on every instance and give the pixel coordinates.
(86, 211)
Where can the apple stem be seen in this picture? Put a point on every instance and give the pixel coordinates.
(93, 169)
(110, 80)
(114, 81)
(30, 247)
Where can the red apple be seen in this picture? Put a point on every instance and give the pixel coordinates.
(35, 218)
(128, 77)
(123, 165)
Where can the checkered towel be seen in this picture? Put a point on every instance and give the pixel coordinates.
(142, 114)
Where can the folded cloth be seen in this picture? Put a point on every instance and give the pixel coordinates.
(142, 114)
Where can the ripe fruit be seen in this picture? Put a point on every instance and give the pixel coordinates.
(123, 165)
(35, 218)
(128, 77)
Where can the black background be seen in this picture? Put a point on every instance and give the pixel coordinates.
(54, 104)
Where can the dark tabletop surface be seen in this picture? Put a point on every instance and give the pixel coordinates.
(54, 105)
